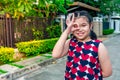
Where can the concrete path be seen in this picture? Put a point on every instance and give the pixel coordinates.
(56, 71)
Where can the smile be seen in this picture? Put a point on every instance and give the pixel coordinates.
(80, 34)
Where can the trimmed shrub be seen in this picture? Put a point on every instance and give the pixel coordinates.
(36, 47)
(6, 54)
(108, 31)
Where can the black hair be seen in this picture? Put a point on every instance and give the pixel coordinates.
(90, 20)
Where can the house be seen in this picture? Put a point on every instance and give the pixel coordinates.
(82, 6)
(115, 22)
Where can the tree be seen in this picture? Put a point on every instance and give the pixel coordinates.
(107, 7)
(41, 8)
(110, 6)
(16, 8)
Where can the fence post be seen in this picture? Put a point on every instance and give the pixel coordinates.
(98, 28)
(8, 31)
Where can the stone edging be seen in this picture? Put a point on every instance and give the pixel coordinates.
(20, 72)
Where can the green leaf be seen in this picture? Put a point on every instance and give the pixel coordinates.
(21, 8)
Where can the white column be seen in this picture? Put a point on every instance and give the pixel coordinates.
(117, 26)
(112, 24)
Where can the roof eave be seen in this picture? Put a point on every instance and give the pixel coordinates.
(85, 6)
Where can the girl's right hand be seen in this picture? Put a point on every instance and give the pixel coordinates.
(71, 25)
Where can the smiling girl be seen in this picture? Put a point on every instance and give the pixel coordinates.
(87, 57)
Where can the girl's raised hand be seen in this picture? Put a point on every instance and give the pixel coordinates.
(71, 24)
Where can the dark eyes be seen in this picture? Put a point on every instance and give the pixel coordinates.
(76, 26)
(83, 25)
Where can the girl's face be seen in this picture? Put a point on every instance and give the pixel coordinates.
(83, 28)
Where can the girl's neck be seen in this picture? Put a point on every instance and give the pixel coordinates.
(85, 40)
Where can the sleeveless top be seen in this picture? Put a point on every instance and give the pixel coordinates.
(82, 61)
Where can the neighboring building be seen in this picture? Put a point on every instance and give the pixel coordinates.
(115, 22)
(82, 6)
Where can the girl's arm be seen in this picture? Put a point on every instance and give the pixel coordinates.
(61, 47)
(104, 61)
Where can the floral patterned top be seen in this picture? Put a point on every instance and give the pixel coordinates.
(82, 61)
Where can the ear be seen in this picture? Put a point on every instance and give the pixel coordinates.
(91, 26)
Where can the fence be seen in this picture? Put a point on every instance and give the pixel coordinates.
(13, 31)
(6, 31)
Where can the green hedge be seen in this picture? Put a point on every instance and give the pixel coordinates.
(36, 47)
(108, 31)
(6, 54)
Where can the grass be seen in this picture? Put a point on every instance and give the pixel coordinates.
(2, 71)
(40, 60)
(16, 65)
(47, 55)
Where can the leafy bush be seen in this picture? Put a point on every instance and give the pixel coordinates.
(54, 31)
(6, 54)
(38, 33)
(108, 31)
(36, 47)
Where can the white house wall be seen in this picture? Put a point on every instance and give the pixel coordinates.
(111, 24)
(115, 24)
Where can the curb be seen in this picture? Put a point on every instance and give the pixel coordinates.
(112, 35)
(21, 72)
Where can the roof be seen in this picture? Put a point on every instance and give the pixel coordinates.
(76, 5)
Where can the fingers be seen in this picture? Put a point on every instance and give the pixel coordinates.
(71, 17)
(68, 18)
(67, 22)
(75, 27)
(71, 24)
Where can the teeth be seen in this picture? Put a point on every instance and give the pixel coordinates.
(80, 34)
